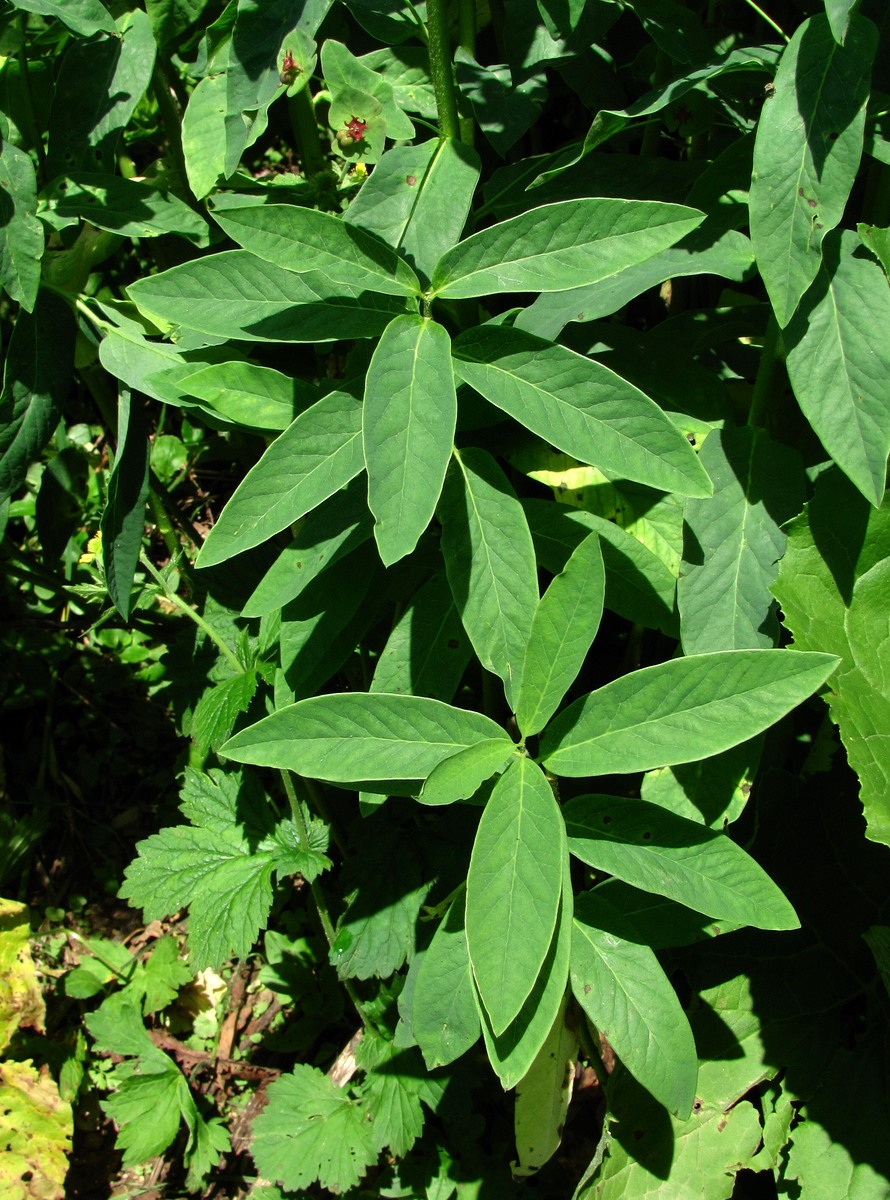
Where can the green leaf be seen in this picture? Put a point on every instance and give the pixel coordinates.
(147, 1110)
(315, 456)
(253, 396)
(165, 974)
(490, 562)
(733, 541)
(565, 624)
(543, 1096)
(417, 200)
(713, 791)
(513, 890)
(446, 1022)
(878, 241)
(237, 295)
(21, 234)
(304, 240)
(311, 1131)
(327, 534)
(579, 406)
(559, 246)
(219, 708)
(170, 19)
(85, 17)
(503, 110)
(656, 851)
(838, 368)
(839, 13)
(127, 206)
(99, 85)
(408, 420)
(204, 134)
(461, 776)
(343, 71)
(619, 983)
(393, 1086)
(36, 381)
(427, 652)
(221, 865)
(681, 710)
(806, 154)
(123, 521)
(354, 737)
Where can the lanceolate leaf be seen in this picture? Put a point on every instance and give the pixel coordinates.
(351, 737)
(560, 246)
(82, 16)
(21, 234)
(123, 520)
(657, 851)
(237, 295)
(461, 776)
(298, 239)
(446, 1022)
(681, 710)
(316, 456)
(733, 541)
(408, 421)
(623, 989)
(838, 366)
(253, 396)
(490, 562)
(807, 151)
(581, 407)
(565, 624)
(513, 889)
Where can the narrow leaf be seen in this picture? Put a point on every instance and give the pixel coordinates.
(513, 890)
(679, 711)
(462, 775)
(408, 420)
(543, 1096)
(123, 521)
(316, 456)
(253, 396)
(446, 1023)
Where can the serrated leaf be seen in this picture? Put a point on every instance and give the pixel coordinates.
(123, 520)
(311, 1131)
(354, 737)
(838, 368)
(234, 294)
(565, 624)
(219, 708)
(305, 240)
(21, 234)
(445, 1019)
(315, 456)
(656, 851)
(490, 561)
(408, 421)
(579, 406)
(560, 246)
(460, 776)
(514, 887)
(733, 541)
(680, 711)
(806, 154)
(165, 973)
(394, 1082)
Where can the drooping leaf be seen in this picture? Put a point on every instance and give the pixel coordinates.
(621, 986)
(504, 110)
(838, 367)
(579, 406)
(315, 456)
(680, 711)
(490, 562)
(408, 421)
(713, 791)
(445, 1022)
(513, 890)
(806, 154)
(560, 246)
(123, 521)
(253, 396)
(204, 134)
(127, 206)
(656, 851)
(21, 234)
(359, 736)
(543, 1096)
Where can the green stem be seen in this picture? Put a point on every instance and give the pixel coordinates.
(764, 384)
(301, 109)
(164, 524)
(589, 1039)
(652, 132)
(177, 601)
(28, 97)
(318, 896)
(766, 17)
(171, 119)
(442, 70)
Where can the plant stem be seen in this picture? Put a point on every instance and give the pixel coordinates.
(766, 17)
(318, 896)
(442, 70)
(301, 110)
(766, 374)
(177, 601)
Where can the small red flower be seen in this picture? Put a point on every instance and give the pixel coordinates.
(356, 128)
(289, 69)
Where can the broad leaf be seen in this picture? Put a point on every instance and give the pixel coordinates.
(85, 17)
(565, 624)
(305, 240)
(490, 562)
(619, 983)
(253, 396)
(123, 521)
(513, 890)
(204, 134)
(807, 151)
(354, 737)
(21, 234)
(427, 652)
(315, 456)
(560, 246)
(237, 295)
(126, 206)
(733, 541)
(837, 365)
(654, 850)
(446, 1023)
(581, 407)
(681, 710)
(408, 420)
(394, 1084)
(462, 775)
